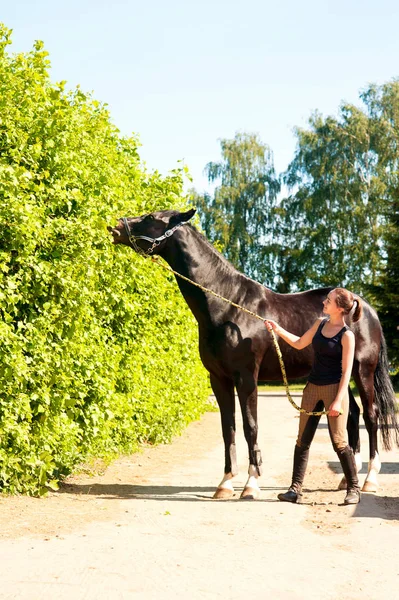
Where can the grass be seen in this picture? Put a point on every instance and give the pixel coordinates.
(298, 385)
(279, 387)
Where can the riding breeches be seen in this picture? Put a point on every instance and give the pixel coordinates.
(313, 399)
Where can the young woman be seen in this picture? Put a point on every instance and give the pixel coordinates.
(334, 345)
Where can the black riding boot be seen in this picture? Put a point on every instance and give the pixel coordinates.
(294, 494)
(347, 460)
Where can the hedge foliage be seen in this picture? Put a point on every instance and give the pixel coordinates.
(98, 350)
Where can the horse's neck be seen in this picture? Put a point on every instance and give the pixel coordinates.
(191, 255)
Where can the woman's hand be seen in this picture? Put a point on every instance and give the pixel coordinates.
(335, 409)
(270, 325)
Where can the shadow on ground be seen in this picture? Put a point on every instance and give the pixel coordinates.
(387, 468)
(153, 492)
(380, 507)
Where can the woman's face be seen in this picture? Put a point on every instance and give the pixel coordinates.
(330, 306)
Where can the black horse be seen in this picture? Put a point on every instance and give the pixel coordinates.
(237, 349)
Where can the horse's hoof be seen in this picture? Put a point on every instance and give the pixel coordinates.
(370, 486)
(250, 493)
(223, 494)
(342, 484)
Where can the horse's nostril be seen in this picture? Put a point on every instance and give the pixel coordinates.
(114, 231)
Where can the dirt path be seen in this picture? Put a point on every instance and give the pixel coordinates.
(148, 529)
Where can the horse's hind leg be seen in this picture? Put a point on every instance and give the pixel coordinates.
(353, 435)
(224, 391)
(248, 395)
(365, 383)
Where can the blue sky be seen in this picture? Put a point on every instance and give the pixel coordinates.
(183, 75)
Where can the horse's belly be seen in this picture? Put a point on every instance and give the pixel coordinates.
(297, 364)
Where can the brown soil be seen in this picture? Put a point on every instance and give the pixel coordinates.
(148, 527)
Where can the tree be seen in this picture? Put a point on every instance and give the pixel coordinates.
(387, 293)
(332, 223)
(341, 178)
(238, 216)
(384, 106)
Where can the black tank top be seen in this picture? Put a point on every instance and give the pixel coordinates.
(327, 363)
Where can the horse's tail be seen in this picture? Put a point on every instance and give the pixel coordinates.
(385, 399)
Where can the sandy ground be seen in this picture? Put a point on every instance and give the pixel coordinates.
(147, 528)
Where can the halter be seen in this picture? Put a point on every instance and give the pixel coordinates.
(154, 241)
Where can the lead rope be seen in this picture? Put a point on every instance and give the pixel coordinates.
(249, 312)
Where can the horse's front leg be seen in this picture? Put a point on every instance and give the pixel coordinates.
(223, 389)
(248, 395)
(365, 383)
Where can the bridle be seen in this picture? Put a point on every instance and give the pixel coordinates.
(154, 241)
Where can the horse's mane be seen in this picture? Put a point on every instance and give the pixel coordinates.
(227, 277)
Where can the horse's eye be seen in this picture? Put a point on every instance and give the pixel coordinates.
(150, 218)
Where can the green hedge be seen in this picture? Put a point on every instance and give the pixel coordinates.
(98, 351)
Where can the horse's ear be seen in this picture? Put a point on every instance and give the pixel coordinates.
(186, 216)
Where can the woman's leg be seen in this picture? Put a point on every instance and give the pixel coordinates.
(336, 425)
(338, 434)
(307, 429)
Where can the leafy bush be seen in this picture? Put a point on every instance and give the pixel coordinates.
(98, 351)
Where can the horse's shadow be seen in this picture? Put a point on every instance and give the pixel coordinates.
(387, 468)
(371, 506)
(385, 508)
(158, 493)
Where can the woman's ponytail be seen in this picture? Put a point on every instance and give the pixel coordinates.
(348, 301)
(358, 310)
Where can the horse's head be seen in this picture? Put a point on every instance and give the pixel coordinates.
(150, 232)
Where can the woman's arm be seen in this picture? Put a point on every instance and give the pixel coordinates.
(348, 353)
(294, 340)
